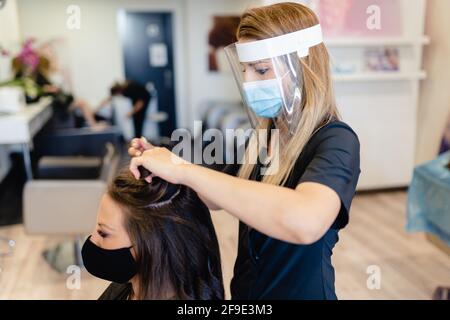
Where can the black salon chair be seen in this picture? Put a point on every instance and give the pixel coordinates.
(73, 170)
(74, 153)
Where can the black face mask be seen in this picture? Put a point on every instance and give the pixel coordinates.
(112, 265)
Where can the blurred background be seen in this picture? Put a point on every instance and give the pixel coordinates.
(79, 79)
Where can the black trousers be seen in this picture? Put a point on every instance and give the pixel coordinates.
(139, 120)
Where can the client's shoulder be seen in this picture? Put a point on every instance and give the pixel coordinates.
(116, 291)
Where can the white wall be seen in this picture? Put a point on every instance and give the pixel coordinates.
(9, 36)
(9, 39)
(435, 92)
(9, 24)
(204, 85)
(95, 52)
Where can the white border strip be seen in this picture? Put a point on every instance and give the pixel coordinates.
(299, 41)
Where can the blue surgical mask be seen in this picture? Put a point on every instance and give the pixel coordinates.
(264, 97)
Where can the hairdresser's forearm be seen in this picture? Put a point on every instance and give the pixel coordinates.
(209, 203)
(138, 106)
(269, 209)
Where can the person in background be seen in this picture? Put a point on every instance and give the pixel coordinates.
(140, 99)
(293, 203)
(31, 66)
(154, 241)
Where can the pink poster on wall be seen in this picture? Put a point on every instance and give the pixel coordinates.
(365, 18)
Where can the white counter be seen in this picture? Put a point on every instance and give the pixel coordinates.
(20, 128)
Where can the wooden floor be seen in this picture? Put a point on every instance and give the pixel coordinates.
(411, 267)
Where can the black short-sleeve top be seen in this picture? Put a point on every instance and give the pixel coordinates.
(267, 268)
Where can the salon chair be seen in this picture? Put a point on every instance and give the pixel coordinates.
(225, 116)
(236, 121)
(119, 111)
(217, 112)
(65, 197)
(74, 153)
(76, 141)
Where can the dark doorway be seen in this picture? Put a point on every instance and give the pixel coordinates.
(147, 43)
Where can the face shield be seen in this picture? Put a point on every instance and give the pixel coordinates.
(269, 76)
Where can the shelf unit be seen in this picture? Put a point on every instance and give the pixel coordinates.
(382, 107)
(380, 76)
(376, 42)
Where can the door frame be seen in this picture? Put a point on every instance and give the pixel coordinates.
(182, 108)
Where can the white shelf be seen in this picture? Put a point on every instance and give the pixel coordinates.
(374, 42)
(382, 106)
(394, 76)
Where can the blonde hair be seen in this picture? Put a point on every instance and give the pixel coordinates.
(318, 106)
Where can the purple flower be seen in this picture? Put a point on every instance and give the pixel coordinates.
(28, 56)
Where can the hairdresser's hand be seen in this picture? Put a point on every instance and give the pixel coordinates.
(161, 163)
(138, 146)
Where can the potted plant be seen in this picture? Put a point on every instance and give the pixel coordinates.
(24, 66)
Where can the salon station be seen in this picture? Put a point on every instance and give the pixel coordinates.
(96, 98)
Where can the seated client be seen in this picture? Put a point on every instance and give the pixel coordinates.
(154, 241)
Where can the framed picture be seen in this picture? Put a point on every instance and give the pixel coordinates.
(221, 34)
(365, 18)
(382, 60)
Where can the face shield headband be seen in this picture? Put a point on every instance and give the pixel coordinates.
(299, 41)
(270, 78)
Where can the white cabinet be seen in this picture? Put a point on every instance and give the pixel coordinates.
(382, 107)
(384, 117)
(20, 128)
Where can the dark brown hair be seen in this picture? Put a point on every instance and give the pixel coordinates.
(177, 251)
(117, 88)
